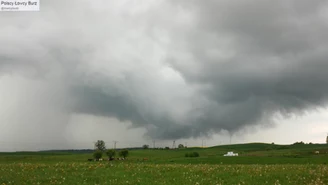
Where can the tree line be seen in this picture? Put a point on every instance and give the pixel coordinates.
(100, 149)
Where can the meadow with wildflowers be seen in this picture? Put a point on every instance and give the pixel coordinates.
(133, 173)
(167, 167)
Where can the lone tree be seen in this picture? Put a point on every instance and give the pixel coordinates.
(97, 154)
(145, 146)
(124, 153)
(110, 153)
(180, 146)
(100, 145)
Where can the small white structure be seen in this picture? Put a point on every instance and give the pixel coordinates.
(231, 154)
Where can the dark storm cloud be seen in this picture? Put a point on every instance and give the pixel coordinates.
(259, 58)
(179, 69)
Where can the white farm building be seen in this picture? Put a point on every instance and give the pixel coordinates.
(231, 154)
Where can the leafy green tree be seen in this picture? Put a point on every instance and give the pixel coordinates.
(110, 153)
(100, 145)
(124, 153)
(299, 143)
(145, 146)
(180, 146)
(97, 154)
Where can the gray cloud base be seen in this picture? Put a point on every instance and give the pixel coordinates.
(180, 69)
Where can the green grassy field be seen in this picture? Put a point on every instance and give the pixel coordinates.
(257, 164)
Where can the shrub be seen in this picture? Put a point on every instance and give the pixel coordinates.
(195, 154)
(124, 153)
(97, 154)
(110, 153)
(192, 154)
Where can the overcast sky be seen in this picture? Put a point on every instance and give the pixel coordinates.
(137, 71)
